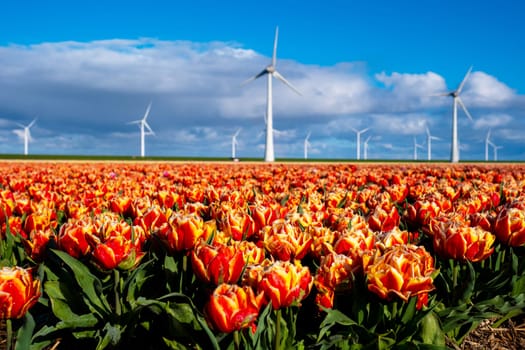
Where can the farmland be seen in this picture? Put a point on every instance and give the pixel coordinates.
(249, 255)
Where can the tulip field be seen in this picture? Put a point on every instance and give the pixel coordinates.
(165, 255)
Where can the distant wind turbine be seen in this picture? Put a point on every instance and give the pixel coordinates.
(454, 154)
(27, 135)
(306, 145)
(487, 143)
(358, 133)
(270, 71)
(365, 148)
(429, 143)
(494, 148)
(235, 143)
(416, 146)
(143, 124)
(496, 151)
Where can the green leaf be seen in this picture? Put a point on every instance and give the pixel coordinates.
(60, 304)
(89, 284)
(111, 337)
(183, 313)
(24, 334)
(173, 344)
(431, 332)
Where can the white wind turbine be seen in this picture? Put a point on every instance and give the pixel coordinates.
(496, 151)
(26, 134)
(454, 156)
(358, 147)
(487, 143)
(365, 148)
(143, 124)
(270, 71)
(416, 146)
(306, 145)
(235, 143)
(429, 143)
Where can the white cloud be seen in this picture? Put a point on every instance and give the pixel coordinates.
(483, 90)
(492, 121)
(85, 93)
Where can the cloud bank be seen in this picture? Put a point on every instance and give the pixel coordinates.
(85, 93)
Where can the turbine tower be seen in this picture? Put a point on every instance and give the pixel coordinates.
(416, 146)
(27, 135)
(271, 71)
(306, 145)
(143, 124)
(454, 153)
(487, 143)
(365, 148)
(429, 143)
(358, 133)
(235, 143)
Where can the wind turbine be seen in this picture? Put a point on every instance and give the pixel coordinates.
(487, 143)
(27, 135)
(270, 71)
(235, 143)
(416, 146)
(143, 124)
(454, 154)
(306, 145)
(496, 151)
(365, 148)
(358, 133)
(429, 143)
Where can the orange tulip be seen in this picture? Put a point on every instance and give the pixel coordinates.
(18, 292)
(509, 226)
(403, 271)
(462, 242)
(286, 283)
(217, 264)
(285, 241)
(185, 231)
(72, 237)
(233, 308)
(335, 272)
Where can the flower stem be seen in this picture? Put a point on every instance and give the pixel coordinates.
(9, 327)
(277, 345)
(118, 307)
(236, 340)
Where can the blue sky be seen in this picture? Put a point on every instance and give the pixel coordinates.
(85, 69)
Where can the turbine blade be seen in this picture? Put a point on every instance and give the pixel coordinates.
(281, 78)
(460, 87)
(464, 109)
(147, 112)
(488, 136)
(428, 131)
(263, 72)
(148, 127)
(364, 130)
(237, 133)
(135, 122)
(32, 123)
(274, 55)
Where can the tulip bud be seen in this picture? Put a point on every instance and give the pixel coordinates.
(18, 292)
(509, 226)
(286, 283)
(217, 264)
(232, 308)
(403, 271)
